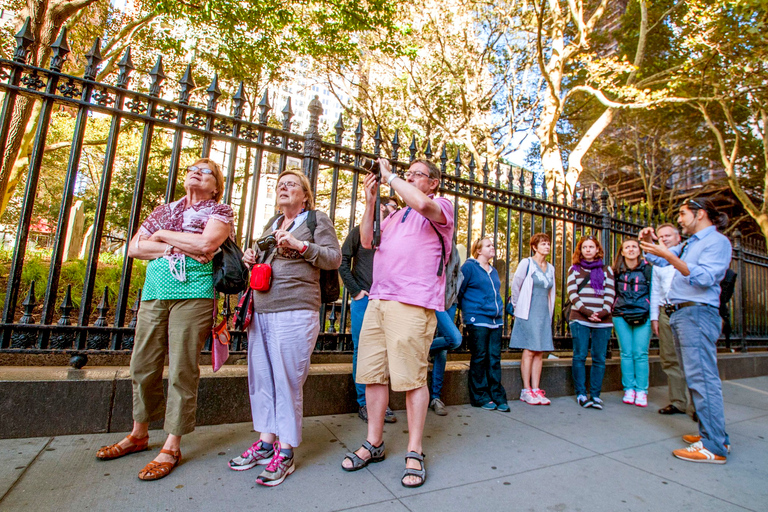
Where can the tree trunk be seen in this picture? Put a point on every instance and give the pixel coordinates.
(47, 17)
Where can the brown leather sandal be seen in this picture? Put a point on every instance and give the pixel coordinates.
(115, 451)
(157, 470)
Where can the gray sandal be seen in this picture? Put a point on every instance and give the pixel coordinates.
(377, 455)
(421, 473)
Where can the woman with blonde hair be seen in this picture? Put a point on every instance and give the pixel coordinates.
(482, 311)
(631, 320)
(284, 326)
(176, 313)
(533, 295)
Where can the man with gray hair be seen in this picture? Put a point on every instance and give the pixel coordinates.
(679, 398)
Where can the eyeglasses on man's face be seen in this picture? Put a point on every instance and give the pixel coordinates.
(195, 168)
(288, 185)
(415, 174)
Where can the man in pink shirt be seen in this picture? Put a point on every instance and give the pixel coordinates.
(408, 287)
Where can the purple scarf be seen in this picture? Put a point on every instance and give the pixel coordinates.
(596, 274)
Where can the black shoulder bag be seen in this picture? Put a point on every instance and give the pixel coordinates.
(230, 275)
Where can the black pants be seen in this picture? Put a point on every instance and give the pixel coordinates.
(485, 366)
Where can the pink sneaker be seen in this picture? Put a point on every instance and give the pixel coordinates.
(629, 396)
(277, 470)
(543, 400)
(641, 399)
(529, 397)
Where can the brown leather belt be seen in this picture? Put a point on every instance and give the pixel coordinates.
(671, 308)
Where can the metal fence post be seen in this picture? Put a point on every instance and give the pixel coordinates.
(312, 142)
(605, 234)
(738, 299)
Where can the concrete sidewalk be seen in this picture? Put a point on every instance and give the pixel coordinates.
(559, 457)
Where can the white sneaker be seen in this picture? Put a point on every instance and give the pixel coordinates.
(641, 399)
(256, 455)
(629, 396)
(543, 400)
(528, 397)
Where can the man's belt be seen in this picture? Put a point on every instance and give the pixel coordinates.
(671, 308)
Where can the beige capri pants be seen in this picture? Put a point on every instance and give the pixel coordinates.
(178, 328)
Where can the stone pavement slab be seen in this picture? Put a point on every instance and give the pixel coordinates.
(468, 445)
(750, 392)
(559, 458)
(15, 456)
(594, 484)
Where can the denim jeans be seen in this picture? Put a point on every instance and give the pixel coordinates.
(581, 337)
(448, 338)
(696, 329)
(633, 346)
(357, 312)
(485, 366)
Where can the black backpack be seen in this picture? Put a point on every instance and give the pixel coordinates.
(330, 283)
(633, 294)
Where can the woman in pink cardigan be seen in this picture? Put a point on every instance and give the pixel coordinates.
(533, 295)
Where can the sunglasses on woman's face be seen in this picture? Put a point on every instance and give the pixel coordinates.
(203, 170)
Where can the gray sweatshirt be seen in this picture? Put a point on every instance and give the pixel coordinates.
(296, 276)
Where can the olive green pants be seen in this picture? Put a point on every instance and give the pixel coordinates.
(178, 328)
(678, 389)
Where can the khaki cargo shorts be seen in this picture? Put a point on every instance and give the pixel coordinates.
(394, 344)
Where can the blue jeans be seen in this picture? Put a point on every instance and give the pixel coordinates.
(485, 366)
(448, 338)
(581, 336)
(633, 345)
(357, 312)
(695, 330)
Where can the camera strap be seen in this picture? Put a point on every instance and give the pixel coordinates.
(267, 257)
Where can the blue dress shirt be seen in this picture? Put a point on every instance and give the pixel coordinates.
(708, 256)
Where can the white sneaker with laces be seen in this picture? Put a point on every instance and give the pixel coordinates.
(256, 455)
(528, 397)
(629, 396)
(641, 399)
(543, 400)
(277, 470)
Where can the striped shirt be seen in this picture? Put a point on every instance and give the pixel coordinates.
(586, 301)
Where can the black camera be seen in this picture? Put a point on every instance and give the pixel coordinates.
(371, 166)
(267, 242)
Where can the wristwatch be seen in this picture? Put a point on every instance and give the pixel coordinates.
(304, 247)
(392, 177)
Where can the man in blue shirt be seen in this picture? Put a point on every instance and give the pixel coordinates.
(694, 297)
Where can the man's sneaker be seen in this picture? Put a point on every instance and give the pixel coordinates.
(389, 416)
(490, 406)
(528, 397)
(363, 413)
(277, 470)
(697, 453)
(584, 401)
(438, 406)
(629, 396)
(641, 399)
(503, 408)
(254, 456)
(543, 400)
(597, 403)
(693, 438)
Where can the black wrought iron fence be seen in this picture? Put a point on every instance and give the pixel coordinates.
(503, 201)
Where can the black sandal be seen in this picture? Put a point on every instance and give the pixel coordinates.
(421, 473)
(377, 455)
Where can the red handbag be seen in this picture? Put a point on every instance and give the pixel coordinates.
(261, 277)
(261, 273)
